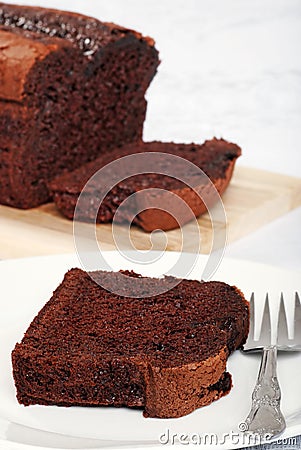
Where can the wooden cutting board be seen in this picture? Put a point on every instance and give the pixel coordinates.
(253, 199)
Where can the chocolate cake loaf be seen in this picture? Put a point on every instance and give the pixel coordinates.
(70, 86)
(216, 158)
(166, 353)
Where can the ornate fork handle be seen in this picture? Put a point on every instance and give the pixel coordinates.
(265, 417)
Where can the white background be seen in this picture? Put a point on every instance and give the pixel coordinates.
(232, 69)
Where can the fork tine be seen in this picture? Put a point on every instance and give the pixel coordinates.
(265, 329)
(252, 320)
(250, 343)
(274, 330)
(282, 333)
(297, 320)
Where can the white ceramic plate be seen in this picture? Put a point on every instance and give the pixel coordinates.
(25, 286)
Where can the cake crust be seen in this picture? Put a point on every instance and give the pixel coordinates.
(17, 57)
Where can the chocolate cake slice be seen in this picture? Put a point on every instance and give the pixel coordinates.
(70, 86)
(164, 353)
(216, 158)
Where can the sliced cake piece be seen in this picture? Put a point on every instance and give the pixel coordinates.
(70, 85)
(216, 158)
(166, 353)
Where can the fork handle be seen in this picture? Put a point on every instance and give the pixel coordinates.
(265, 417)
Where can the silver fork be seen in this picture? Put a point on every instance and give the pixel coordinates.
(265, 416)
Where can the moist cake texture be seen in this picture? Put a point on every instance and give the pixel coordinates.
(165, 354)
(216, 158)
(70, 86)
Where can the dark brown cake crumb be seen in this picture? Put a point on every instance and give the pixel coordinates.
(216, 158)
(166, 354)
